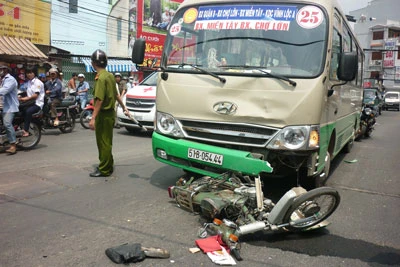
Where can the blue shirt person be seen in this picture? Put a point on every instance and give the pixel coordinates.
(82, 90)
(9, 92)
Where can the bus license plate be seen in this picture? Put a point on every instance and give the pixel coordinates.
(205, 156)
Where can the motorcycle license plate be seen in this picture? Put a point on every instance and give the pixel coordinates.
(205, 156)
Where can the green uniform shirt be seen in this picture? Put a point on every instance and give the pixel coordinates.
(105, 89)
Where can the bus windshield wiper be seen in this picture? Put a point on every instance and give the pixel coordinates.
(283, 78)
(221, 79)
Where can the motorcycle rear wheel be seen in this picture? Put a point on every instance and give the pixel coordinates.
(35, 134)
(311, 208)
(85, 118)
(69, 125)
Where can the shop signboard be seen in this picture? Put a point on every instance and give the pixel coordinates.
(149, 20)
(388, 58)
(26, 20)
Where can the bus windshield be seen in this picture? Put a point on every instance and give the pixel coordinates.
(288, 40)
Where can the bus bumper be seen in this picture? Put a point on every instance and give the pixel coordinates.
(175, 152)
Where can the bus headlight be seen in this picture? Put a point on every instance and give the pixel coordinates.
(166, 124)
(296, 138)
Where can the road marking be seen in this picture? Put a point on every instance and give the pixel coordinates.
(364, 191)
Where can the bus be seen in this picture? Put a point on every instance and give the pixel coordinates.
(265, 88)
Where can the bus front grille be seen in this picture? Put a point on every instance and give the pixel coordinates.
(228, 133)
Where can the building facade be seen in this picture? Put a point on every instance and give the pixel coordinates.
(80, 27)
(378, 29)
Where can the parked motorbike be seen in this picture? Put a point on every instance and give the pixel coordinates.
(66, 113)
(27, 142)
(237, 207)
(86, 114)
(367, 121)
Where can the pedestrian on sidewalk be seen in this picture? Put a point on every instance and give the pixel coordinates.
(103, 117)
(9, 91)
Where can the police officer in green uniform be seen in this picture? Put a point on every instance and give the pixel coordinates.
(103, 117)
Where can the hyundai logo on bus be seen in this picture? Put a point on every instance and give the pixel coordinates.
(136, 103)
(225, 108)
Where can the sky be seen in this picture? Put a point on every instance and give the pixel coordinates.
(350, 5)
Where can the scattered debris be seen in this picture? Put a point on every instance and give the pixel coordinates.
(221, 257)
(351, 161)
(194, 250)
(134, 252)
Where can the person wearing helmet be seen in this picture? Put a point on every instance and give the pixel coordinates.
(121, 84)
(124, 83)
(54, 91)
(82, 90)
(103, 117)
(9, 91)
(42, 77)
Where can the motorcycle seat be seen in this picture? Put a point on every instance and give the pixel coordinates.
(68, 101)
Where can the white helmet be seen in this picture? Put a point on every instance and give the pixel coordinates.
(53, 70)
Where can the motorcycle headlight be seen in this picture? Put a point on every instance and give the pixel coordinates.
(295, 138)
(367, 111)
(166, 124)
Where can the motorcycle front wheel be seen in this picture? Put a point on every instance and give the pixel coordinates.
(311, 208)
(85, 118)
(35, 134)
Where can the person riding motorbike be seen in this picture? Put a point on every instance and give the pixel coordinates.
(35, 91)
(82, 90)
(9, 91)
(55, 94)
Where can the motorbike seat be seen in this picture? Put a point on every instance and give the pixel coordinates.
(68, 101)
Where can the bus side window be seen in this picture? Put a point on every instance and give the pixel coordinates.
(336, 51)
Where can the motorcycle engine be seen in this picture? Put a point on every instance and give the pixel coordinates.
(220, 204)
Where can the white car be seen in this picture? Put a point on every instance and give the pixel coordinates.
(141, 103)
(392, 100)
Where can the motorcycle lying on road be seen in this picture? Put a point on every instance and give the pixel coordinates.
(23, 142)
(66, 113)
(86, 114)
(367, 122)
(237, 207)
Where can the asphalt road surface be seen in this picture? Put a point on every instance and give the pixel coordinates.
(53, 214)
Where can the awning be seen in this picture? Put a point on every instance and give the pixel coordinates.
(17, 49)
(113, 65)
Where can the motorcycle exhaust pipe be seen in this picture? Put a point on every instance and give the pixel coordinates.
(250, 228)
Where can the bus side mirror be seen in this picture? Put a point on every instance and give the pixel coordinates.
(138, 51)
(348, 66)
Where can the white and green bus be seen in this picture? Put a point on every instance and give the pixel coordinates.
(269, 88)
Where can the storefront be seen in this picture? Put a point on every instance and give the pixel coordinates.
(20, 53)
